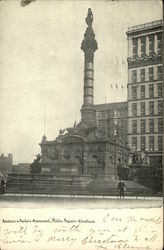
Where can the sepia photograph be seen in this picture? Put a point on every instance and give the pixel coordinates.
(81, 124)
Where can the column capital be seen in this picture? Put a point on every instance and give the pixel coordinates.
(89, 43)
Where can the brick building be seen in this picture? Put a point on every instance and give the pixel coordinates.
(145, 102)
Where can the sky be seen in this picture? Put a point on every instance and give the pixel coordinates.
(41, 63)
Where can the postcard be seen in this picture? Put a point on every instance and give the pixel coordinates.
(81, 124)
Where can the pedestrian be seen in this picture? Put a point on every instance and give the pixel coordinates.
(7, 181)
(121, 188)
(2, 186)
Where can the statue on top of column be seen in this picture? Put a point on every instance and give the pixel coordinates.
(89, 18)
(89, 43)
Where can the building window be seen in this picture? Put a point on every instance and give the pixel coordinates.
(142, 108)
(110, 113)
(134, 76)
(134, 92)
(142, 75)
(151, 143)
(103, 115)
(159, 72)
(160, 143)
(134, 109)
(135, 47)
(151, 74)
(160, 89)
(121, 113)
(151, 108)
(143, 46)
(151, 45)
(160, 107)
(151, 90)
(143, 126)
(160, 125)
(121, 127)
(159, 42)
(142, 143)
(134, 126)
(151, 125)
(142, 91)
(134, 143)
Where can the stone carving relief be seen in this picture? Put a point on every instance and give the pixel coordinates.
(72, 139)
(78, 158)
(111, 159)
(66, 154)
(52, 154)
(76, 149)
(110, 149)
(96, 148)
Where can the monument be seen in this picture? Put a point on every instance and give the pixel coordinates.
(84, 159)
(85, 148)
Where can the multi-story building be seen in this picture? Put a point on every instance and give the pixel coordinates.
(112, 118)
(145, 102)
(6, 163)
(21, 168)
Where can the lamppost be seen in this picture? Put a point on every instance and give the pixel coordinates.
(115, 154)
(115, 144)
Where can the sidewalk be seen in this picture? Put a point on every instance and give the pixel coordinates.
(5, 196)
(77, 201)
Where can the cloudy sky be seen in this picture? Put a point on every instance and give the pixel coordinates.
(41, 63)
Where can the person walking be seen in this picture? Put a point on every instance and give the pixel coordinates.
(121, 188)
(2, 186)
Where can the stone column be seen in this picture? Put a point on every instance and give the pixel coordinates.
(146, 143)
(130, 47)
(139, 46)
(88, 83)
(89, 46)
(155, 124)
(147, 125)
(85, 157)
(155, 44)
(147, 45)
(138, 143)
(107, 165)
(155, 75)
(155, 143)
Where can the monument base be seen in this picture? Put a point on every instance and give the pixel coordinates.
(69, 185)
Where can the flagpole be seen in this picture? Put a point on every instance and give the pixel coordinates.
(45, 120)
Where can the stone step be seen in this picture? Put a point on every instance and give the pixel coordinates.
(54, 187)
(43, 187)
(45, 181)
(47, 191)
(45, 184)
(50, 182)
(40, 185)
(73, 192)
(48, 177)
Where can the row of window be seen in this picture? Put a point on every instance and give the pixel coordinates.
(151, 45)
(143, 143)
(111, 114)
(151, 108)
(143, 126)
(151, 75)
(142, 91)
